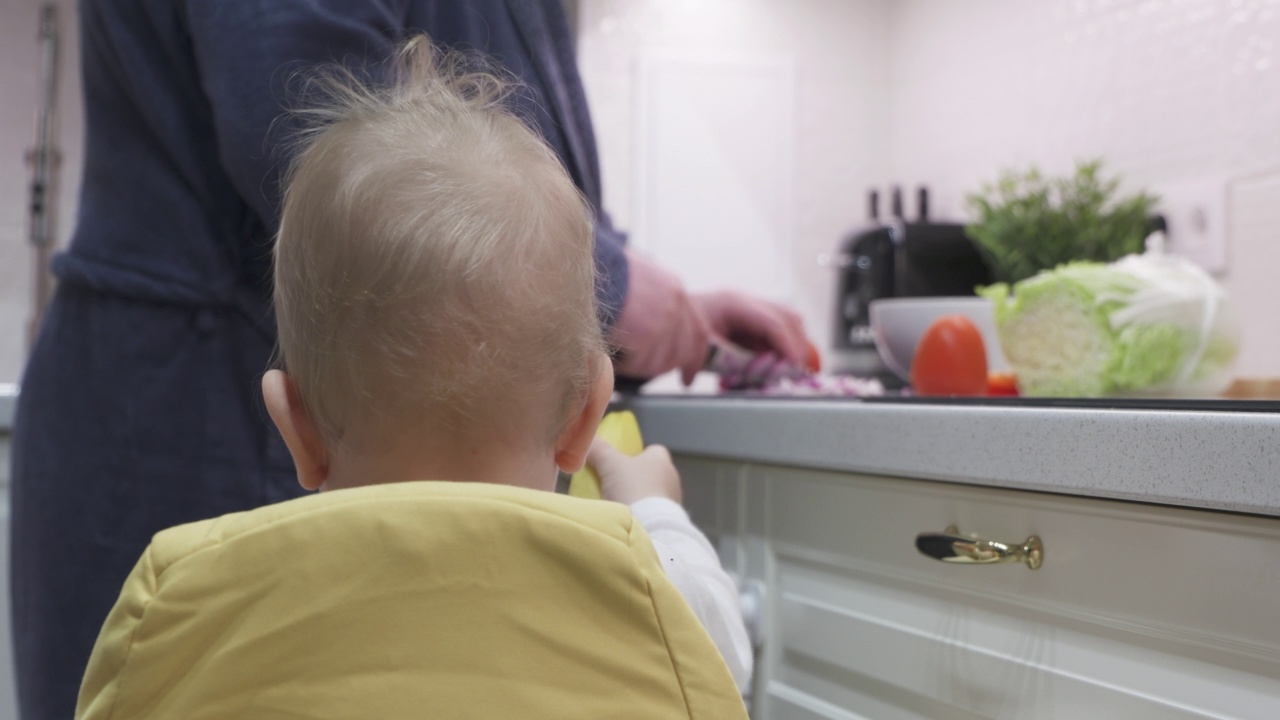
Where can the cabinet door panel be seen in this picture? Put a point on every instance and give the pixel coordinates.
(1189, 576)
(1138, 611)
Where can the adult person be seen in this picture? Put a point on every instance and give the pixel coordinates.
(139, 407)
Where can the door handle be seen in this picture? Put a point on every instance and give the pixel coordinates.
(950, 546)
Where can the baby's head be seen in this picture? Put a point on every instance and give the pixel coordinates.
(434, 278)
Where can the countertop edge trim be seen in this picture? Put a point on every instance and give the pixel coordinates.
(1210, 460)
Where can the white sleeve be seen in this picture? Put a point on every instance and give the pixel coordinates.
(692, 564)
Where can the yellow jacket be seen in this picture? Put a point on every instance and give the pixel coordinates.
(414, 600)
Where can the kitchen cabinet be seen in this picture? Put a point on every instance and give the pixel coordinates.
(1140, 609)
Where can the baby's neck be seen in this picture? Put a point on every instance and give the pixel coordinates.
(411, 459)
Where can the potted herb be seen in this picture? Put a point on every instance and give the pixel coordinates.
(1026, 222)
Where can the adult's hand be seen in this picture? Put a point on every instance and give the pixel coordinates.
(660, 328)
(663, 327)
(758, 325)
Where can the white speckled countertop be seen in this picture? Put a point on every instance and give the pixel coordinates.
(1218, 460)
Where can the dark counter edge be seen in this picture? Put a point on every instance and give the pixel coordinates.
(8, 404)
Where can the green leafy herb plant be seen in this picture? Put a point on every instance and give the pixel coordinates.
(1026, 222)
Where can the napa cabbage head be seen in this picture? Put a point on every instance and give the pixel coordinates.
(1146, 324)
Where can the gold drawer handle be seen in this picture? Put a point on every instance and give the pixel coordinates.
(950, 546)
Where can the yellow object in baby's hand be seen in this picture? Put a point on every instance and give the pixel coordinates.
(620, 430)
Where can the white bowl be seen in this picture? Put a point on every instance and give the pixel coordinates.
(899, 323)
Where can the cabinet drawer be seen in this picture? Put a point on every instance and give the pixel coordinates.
(1138, 610)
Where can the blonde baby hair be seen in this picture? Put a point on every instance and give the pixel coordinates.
(433, 268)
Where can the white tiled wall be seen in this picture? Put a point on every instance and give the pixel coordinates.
(836, 52)
(20, 87)
(947, 93)
(1166, 90)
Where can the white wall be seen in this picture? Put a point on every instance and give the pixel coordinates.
(947, 94)
(20, 88)
(1167, 91)
(833, 54)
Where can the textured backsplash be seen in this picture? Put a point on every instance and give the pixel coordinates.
(1168, 91)
(947, 93)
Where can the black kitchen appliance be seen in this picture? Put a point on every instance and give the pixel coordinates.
(897, 259)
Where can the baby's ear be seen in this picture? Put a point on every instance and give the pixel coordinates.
(575, 440)
(299, 430)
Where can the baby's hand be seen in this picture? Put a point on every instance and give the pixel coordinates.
(627, 479)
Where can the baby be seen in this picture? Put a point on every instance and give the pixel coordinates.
(434, 291)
